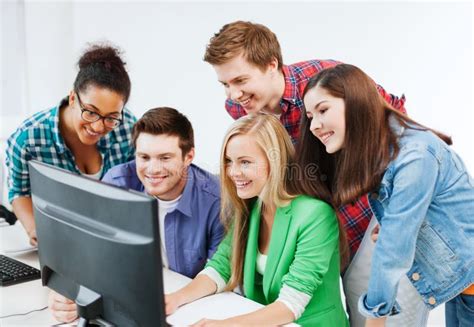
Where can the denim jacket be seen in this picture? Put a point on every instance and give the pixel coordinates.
(425, 207)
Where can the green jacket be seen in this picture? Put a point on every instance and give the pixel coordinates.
(303, 254)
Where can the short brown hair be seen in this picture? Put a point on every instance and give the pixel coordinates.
(256, 42)
(165, 120)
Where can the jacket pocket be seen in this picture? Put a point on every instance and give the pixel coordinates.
(434, 257)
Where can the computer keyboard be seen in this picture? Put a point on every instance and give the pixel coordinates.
(14, 272)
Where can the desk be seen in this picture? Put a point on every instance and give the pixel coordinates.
(28, 296)
(31, 295)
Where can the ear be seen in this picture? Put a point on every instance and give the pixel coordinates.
(72, 97)
(189, 157)
(273, 66)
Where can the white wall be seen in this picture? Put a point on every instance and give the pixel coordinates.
(421, 49)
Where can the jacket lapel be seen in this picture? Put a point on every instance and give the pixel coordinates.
(251, 252)
(281, 224)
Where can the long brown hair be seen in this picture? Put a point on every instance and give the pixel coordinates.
(272, 138)
(369, 144)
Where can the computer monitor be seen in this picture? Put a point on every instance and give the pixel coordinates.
(100, 246)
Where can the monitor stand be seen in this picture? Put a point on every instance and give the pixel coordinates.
(89, 308)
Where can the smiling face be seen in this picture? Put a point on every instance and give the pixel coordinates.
(246, 165)
(103, 101)
(248, 85)
(327, 116)
(161, 167)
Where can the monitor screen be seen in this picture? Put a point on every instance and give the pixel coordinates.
(99, 245)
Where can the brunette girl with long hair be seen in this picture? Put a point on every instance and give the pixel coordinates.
(419, 191)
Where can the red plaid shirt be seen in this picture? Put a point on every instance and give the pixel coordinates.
(354, 218)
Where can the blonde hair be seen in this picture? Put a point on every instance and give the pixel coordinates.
(272, 138)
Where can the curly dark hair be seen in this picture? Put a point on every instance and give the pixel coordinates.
(101, 65)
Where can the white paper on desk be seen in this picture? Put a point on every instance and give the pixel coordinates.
(14, 240)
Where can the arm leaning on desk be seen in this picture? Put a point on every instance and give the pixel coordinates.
(31, 295)
(25, 297)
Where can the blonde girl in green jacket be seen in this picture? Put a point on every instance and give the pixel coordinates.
(281, 248)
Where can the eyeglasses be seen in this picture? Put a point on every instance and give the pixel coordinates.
(92, 116)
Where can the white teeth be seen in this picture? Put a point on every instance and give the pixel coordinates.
(154, 179)
(324, 137)
(92, 133)
(245, 102)
(241, 184)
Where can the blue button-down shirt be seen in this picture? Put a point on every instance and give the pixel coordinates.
(193, 230)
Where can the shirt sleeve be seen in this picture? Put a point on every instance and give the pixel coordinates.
(220, 261)
(317, 242)
(295, 300)
(216, 278)
(414, 180)
(17, 157)
(215, 229)
(396, 102)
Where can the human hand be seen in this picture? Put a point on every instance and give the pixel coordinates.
(32, 236)
(172, 303)
(377, 322)
(62, 309)
(375, 233)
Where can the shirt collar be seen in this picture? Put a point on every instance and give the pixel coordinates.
(54, 123)
(106, 141)
(291, 93)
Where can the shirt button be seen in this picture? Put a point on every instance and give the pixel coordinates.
(432, 300)
(415, 276)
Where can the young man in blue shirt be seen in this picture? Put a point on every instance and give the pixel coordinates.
(188, 196)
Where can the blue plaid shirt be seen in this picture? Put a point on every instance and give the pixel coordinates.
(39, 138)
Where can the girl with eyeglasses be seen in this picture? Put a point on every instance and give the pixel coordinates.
(88, 132)
(420, 192)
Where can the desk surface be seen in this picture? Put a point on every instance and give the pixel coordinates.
(24, 297)
(29, 296)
